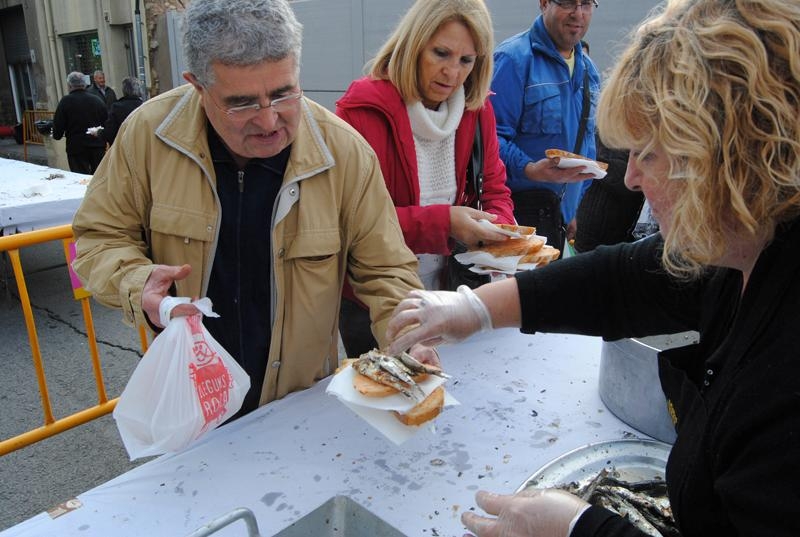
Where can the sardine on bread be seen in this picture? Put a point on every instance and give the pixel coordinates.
(380, 385)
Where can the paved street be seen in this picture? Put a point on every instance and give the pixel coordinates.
(42, 475)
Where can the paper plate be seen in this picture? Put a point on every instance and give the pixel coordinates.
(629, 460)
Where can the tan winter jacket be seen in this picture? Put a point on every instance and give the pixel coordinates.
(153, 200)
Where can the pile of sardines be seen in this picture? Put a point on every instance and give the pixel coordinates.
(644, 503)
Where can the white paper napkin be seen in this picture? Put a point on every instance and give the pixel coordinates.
(591, 167)
(486, 263)
(481, 269)
(377, 411)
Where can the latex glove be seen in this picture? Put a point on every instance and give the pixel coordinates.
(157, 287)
(436, 317)
(538, 512)
(425, 355)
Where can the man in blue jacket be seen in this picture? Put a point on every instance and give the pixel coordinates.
(543, 83)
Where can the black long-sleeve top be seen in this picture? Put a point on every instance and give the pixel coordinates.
(735, 466)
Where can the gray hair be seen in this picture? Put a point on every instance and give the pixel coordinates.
(76, 80)
(98, 72)
(131, 87)
(239, 32)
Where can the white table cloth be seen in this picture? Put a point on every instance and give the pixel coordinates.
(524, 401)
(35, 197)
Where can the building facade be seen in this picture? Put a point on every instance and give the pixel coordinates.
(41, 41)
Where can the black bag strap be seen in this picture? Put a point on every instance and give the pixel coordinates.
(584, 112)
(584, 119)
(475, 166)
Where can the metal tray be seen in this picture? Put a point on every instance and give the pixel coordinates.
(629, 460)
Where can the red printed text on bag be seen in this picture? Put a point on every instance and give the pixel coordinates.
(210, 376)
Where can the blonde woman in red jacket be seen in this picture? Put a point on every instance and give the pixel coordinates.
(418, 108)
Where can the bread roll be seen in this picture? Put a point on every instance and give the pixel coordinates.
(513, 247)
(425, 411)
(542, 257)
(522, 230)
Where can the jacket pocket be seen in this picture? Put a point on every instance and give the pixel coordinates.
(312, 282)
(180, 222)
(542, 109)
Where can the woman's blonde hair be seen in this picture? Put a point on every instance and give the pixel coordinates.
(716, 84)
(397, 59)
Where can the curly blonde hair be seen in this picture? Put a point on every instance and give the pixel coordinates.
(397, 59)
(716, 84)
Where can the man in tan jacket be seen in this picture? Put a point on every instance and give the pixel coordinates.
(237, 187)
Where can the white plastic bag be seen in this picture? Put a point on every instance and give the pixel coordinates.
(185, 385)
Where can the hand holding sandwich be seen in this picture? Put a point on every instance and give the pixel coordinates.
(465, 226)
(546, 170)
(549, 170)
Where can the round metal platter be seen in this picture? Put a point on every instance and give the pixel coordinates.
(629, 460)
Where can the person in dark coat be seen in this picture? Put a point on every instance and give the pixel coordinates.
(707, 98)
(130, 101)
(99, 89)
(76, 113)
(608, 210)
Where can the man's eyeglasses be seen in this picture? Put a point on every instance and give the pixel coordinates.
(249, 111)
(571, 5)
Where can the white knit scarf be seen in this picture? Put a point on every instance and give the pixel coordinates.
(435, 142)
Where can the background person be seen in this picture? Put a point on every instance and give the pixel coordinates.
(608, 210)
(130, 101)
(77, 111)
(99, 89)
(707, 96)
(418, 108)
(238, 188)
(539, 81)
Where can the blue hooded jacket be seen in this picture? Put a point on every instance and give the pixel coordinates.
(538, 106)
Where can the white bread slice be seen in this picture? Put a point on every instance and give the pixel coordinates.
(542, 257)
(424, 411)
(552, 153)
(513, 247)
(522, 230)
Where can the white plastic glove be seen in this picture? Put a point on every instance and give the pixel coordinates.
(439, 316)
(539, 512)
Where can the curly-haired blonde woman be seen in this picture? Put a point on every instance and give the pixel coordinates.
(707, 98)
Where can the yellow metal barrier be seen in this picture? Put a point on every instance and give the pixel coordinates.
(30, 135)
(12, 244)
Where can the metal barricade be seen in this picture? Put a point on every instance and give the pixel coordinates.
(30, 132)
(11, 245)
